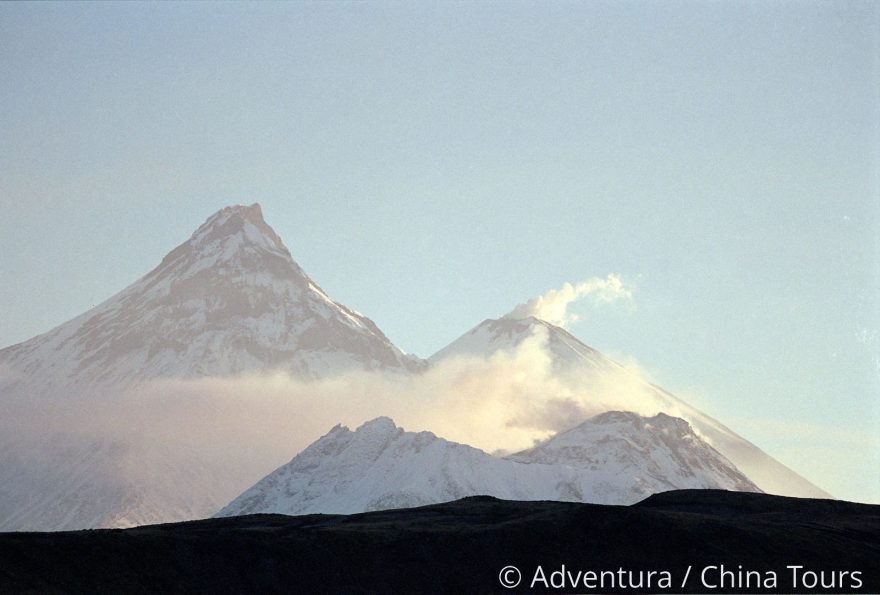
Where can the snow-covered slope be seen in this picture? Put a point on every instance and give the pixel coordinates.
(228, 300)
(506, 334)
(380, 466)
(605, 383)
(626, 453)
(615, 458)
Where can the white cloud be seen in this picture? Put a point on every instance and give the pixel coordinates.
(253, 423)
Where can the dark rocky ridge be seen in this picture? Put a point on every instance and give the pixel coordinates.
(459, 547)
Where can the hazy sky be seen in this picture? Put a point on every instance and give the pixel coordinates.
(434, 164)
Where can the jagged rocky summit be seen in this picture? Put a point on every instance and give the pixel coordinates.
(613, 458)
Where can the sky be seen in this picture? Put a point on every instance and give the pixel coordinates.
(432, 165)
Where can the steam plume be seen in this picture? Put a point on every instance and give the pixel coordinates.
(553, 305)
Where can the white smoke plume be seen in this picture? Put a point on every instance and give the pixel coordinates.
(553, 305)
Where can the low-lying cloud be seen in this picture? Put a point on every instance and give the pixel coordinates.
(236, 430)
(506, 401)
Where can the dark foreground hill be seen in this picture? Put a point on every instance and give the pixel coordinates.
(732, 542)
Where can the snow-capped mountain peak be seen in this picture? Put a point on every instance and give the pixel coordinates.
(232, 220)
(653, 451)
(229, 300)
(234, 239)
(615, 458)
(381, 426)
(605, 384)
(508, 333)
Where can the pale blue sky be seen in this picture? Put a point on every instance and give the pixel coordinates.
(432, 165)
